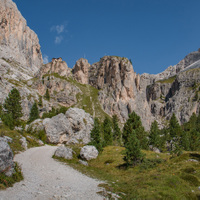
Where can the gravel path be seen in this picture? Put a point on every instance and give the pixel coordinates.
(45, 178)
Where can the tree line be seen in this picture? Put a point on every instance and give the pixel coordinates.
(173, 138)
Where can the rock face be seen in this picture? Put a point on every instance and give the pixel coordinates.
(89, 152)
(6, 158)
(17, 41)
(121, 89)
(57, 66)
(80, 71)
(64, 152)
(73, 127)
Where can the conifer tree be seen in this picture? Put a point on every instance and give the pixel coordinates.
(107, 131)
(34, 114)
(134, 123)
(40, 101)
(96, 135)
(174, 127)
(116, 130)
(133, 154)
(154, 138)
(12, 105)
(47, 96)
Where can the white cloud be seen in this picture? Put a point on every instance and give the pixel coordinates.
(58, 39)
(45, 59)
(59, 28)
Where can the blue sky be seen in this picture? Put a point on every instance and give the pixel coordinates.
(154, 34)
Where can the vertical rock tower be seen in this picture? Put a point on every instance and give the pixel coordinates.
(17, 41)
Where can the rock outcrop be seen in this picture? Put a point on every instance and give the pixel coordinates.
(73, 127)
(6, 158)
(121, 90)
(18, 42)
(89, 152)
(64, 152)
(80, 71)
(56, 66)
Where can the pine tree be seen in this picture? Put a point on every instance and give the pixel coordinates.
(96, 135)
(12, 105)
(134, 123)
(154, 138)
(34, 114)
(174, 127)
(194, 140)
(107, 131)
(116, 130)
(40, 104)
(47, 96)
(133, 154)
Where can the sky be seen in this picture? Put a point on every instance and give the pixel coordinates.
(154, 34)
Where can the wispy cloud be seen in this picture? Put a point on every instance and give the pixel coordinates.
(59, 30)
(58, 39)
(45, 59)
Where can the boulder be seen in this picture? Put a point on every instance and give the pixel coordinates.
(89, 152)
(82, 162)
(73, 127)
(24, 143)
(6, 158)
(64, 152)
(57, 129)
(36, 125)
(8, 139)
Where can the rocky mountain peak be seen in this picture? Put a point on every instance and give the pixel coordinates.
(80, 71)
(56, 66)
(17, 41)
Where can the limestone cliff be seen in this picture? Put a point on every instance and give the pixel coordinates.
(56, 66)
(17, 41)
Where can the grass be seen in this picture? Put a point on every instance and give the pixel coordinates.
(87, 99)
(159, 177)
(169, 80)
(16, 136)
(6, 181)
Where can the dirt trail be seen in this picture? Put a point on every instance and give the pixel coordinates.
(46, 179)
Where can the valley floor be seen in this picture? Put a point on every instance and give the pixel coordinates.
(46, 179)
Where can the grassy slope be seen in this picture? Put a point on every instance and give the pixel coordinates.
(88, 99)
(173, 178)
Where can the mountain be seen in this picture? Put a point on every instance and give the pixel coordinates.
(107, 87)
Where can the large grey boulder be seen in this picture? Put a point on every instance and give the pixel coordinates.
(6, 158)
(36, 125)
(64, 152)
(89, 152)
(73, 127)
(57, 129)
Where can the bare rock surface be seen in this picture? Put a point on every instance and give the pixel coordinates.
(57, 66)
(64, 152)
(73, 127)
(80, 71)
(45, 179)
(17, 41)
(6, 158)
(89, 152)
